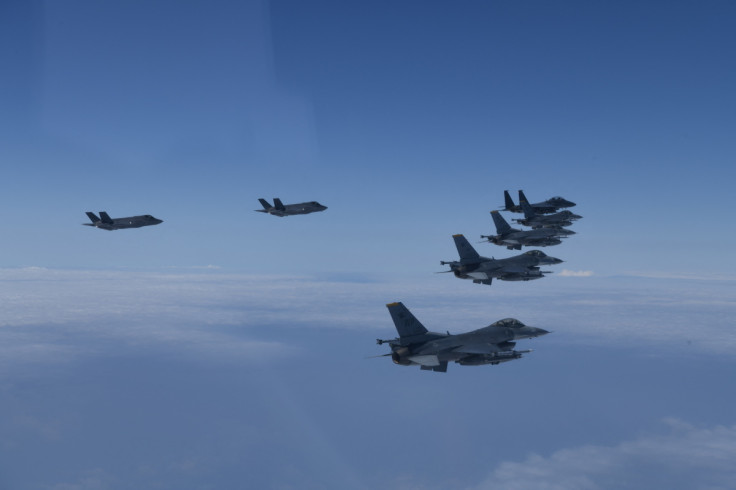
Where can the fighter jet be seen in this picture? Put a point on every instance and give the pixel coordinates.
(551, 205)
(482, 270)
(514, 239)
(105, 222)
(281, 210)
(432, 351)
(556, 220)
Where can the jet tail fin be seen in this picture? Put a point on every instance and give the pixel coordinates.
(528, 210)
(93, 217)
(501, 225)
(406, 324)
(509, 202)
(105, 217)
(522, 197)
(278, 204)
(464, 249)
(265, 204)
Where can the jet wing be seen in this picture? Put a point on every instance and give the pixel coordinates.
(483, 348)
(516, 269)
(486, 270)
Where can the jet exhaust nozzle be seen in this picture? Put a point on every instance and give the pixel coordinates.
(398, 356)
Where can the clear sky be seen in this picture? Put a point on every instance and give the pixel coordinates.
(407, 119)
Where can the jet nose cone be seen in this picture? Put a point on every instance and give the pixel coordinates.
(551, 261)
(538, 332)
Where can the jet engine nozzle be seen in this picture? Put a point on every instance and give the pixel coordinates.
(399, 356)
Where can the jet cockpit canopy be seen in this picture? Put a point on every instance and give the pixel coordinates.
(508, 323)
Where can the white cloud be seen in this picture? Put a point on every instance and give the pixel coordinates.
(51, 314)
(56, 315)
(684, 457)
(569, 273)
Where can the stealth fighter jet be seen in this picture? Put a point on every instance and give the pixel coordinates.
(551, 205)
(105, 222)
(556, 220)
(281, 210)
(482, 270)
(514, 239)
(432, 351)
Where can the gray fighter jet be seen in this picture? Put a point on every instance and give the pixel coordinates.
(551, 205)
(514, 239)
(281, 210)
(482, 270)
(556, 220)
(432, 351)
(105, 222)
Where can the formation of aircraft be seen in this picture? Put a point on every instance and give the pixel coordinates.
(535, 220)
(105, 222)
(514, 239)
(482, 270)
(432, 351)
(280, 209)
(492, 344)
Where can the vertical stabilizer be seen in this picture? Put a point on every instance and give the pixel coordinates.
(265, 204)
(278, 204)
(509, 202)
(528, 210)
(464, 249)
(105, 218)
(522, 197)
(501, 225)
(406, 324)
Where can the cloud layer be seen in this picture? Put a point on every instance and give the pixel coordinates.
(196, 379)
(44, 313)
(684, 457)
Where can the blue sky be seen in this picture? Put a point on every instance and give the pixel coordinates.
(407, 122)
(226, 346)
